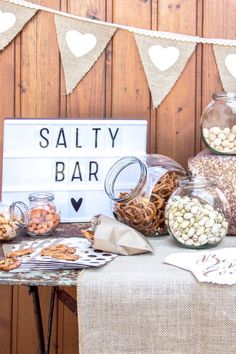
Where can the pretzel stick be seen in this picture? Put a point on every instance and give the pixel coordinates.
(148, 215)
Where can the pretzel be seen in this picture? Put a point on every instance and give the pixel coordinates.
(59, 247)
(88, 234)
(8, 229)
(9, 264)
(60, 251)
(65, 256)
(147, 215)
(20, 253)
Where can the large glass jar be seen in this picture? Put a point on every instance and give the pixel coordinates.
(139, 190)
(218, 123)
(197, 213)
(42, 217)
(9, 228)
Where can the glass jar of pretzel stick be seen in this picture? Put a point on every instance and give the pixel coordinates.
(41, 218)
(139, 190)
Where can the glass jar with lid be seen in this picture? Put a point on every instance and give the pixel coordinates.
(197, 213)
(42, 217)
(9, 228)
(139, 190)
(218, 123)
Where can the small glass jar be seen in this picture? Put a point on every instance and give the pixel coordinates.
(9, 228)
(218, 123)
(139, 190)
(197, 213)
(41, 218)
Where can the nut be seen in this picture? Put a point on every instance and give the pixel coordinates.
(42, 221)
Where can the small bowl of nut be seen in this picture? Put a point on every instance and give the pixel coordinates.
(9, 228)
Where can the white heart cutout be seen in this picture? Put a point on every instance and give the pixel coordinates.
(163, 58)
(230, 63)
(80, 44)
(7, 20)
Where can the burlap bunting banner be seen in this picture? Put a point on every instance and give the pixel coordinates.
(226, 62)
(163, 61)
(12, 20)
(80, 43)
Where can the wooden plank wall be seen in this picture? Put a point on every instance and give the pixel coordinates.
(32, 85)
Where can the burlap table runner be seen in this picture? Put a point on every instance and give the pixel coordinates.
(138, 304)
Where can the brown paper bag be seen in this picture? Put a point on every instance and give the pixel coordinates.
(111, 235)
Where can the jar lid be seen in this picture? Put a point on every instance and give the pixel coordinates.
(41, 196)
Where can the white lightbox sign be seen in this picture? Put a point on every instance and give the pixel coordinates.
(68, 157)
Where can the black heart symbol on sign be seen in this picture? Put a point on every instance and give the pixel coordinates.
(76, 204)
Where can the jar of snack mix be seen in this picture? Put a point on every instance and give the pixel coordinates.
(139, 190)
(218, 123)
(41, 217)
(197, 213)
(9, 228)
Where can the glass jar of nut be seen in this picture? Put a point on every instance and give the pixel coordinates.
(139, 190)
(218, 123)
(197, 213)
(41, 218)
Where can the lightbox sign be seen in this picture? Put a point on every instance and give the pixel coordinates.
(68, 157)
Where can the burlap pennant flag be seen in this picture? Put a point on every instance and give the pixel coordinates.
(81, 43)
(163, 61)
(12, 20)
(226, 62)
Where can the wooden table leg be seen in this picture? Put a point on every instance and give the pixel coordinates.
(33, 290)
(65, 298)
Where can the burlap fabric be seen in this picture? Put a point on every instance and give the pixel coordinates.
(75, 68)
(161, 82)
(227, 77)
(140, 305)
(22, 16)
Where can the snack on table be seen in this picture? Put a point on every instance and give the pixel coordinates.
(9, 264)
(43, 220)
(193, 222)
(139, 190)
(88, 234)
(147, 215)
(65, 256)
(8, 227)
(60, 251)
(222, 140)
(20, 253)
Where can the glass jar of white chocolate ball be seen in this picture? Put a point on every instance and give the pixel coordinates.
(218, 123)
(197, 213)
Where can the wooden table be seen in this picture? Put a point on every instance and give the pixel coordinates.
(55, 279)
